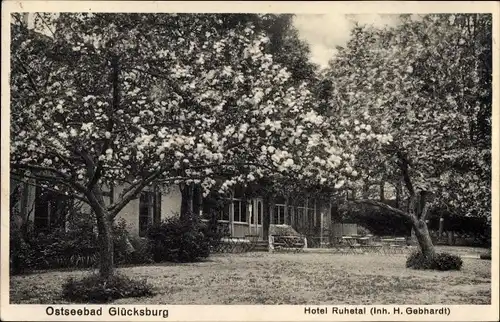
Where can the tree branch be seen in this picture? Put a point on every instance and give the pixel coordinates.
(28, 75)
(132, 192)
(403, 165)
(46, 24)
(381, 205)
(21, 178)
(60, 176)
(109, 127)
(90, 165)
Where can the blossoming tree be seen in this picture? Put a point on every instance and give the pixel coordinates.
(427, 82)
(130, 99)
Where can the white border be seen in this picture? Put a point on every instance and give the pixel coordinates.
(256, 312)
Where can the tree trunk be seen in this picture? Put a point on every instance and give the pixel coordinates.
(187, 199)
(399, 194)
(266, 217)
(105, 239)
(441, 226)
(105, 232)
(197, 199)
(424, 238)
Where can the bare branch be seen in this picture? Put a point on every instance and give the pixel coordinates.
(132, 192)
(28, 74)
(59, 176)
(109, 127)
(46, 24)
(34, 183)
(381, 205)
(403, 165)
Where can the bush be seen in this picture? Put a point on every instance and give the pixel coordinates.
(179, 239)
(141, 253)
(448, 262)
(213, 230)
(129, 249)
(362, 231)
(65, 249)
(74, 248)
(21, 255)
(441, 262)
(485, 256)
(94, 289)
(417, 260)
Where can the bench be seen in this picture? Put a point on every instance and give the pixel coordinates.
(287, 243)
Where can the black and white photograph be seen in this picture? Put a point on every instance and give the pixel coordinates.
(333, 161)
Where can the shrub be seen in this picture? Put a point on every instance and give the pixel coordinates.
(214, 231)
(66, 249)
(122, 247)
(362, 231)
(21, 255)
(441, 261)
(447, 262)
(141, 253)
(417, 260)
(95, 289)
(73, 248)
(179, 239)
(128, 249)
(485, 256)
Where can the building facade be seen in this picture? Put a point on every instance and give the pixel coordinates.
(243, 215)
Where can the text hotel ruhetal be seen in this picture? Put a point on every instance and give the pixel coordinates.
(407, 310)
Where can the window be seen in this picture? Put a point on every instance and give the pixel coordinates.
(290, 214)
(256, 210)
(149, 210)
(305, 215)
(224, 214)
(259, 213)
(301, 215)
(311, 214)
(50, 210)
(279, 214)
(240, 210)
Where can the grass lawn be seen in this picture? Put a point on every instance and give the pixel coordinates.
(285, 278)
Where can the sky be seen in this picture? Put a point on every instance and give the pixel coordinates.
(324, 32)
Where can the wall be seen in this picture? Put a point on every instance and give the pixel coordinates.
(170, 206)
(130, 213)
(241, 229)
(171, 201)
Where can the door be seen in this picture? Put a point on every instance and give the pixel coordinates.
(257, 217)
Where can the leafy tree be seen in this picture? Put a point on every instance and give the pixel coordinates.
(427, 82)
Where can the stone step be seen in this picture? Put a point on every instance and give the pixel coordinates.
(261, 246)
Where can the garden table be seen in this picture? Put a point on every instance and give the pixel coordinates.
(352, 243)
(367, 245)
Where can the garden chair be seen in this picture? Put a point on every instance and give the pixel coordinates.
(370, 246)
(339, 246)
(397, 245)
(353, 246)
(386, 245)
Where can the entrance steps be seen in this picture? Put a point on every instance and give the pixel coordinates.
(261, 246)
